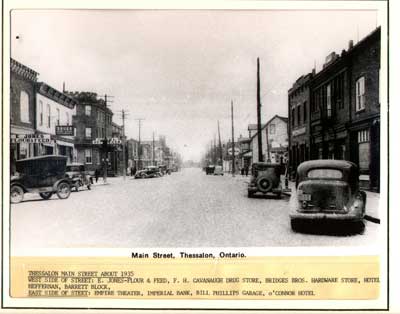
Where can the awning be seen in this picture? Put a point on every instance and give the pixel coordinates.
(247, 155)
(63, 143)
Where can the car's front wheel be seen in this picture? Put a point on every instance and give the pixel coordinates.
(63, 190)
(16, 194)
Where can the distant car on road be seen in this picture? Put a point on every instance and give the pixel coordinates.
(148, 172)
(328, 190)
(218, 171)
(43, 174)
(265, 178)
(210, 169)
(78, 175)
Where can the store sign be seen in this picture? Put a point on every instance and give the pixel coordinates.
(32, 138)
(67, 130)
(110, 141)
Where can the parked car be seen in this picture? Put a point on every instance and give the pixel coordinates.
(78, 175)
(148, 172)
(328, 190)
(210, 169)
(265, 178)
(43, 174)
(218, 171)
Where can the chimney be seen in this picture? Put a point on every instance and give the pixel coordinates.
(313, 71)
(351, 44)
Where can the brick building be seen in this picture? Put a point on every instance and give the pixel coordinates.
(343, 116)
(92, 122)
(299, 121)
(22, 110)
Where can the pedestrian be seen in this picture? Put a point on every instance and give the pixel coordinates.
(247, 170)
(242, 171)
(96, 174)
(133, 171)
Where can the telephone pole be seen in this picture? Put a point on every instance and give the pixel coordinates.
(219, 144)
(139, 147)
(233, 142)
(259, 135)
(154, 162)
(105, 141)
(123, 144)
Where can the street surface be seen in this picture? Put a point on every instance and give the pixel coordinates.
(185, 209)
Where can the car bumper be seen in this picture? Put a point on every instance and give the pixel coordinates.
(326, 216)
(254, 189)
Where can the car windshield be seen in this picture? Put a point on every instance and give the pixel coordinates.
(73, 168)
(325, 173)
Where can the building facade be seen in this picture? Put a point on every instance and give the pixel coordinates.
(22, 111)
(299, 121)
(93, 123)
(274, 139)
(54, 109)
(344, 110)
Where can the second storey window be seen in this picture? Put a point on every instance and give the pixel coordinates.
(24, 106)
(67, 118)
(88, 132)
(272, 129)
(40, 113)
(299, 115)
(58, 116)
(360, 94)
(48, 116)
(305, 111)
(292, 116)
(328, 101)
(88, 110)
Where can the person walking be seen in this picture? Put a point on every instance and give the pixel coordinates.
(246, 170)
(96, 174)
(242, 171)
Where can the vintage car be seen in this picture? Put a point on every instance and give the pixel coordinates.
(148, 172)
(210, 169)
(265, 178)
(43, 174)
(78, 175)
(327, 190)
(218, 171)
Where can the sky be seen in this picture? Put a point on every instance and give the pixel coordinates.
(179, 70)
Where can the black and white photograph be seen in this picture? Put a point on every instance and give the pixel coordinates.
(194, 128)
(247, 130)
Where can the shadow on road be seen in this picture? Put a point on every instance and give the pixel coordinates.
(283, 197)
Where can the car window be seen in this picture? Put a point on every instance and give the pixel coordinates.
(325, 173)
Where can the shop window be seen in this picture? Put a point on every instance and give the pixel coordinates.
(363, 149)
(360, 94)
(24, 106)
(88, 156)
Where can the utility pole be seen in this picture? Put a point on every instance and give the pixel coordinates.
(220, 145)
(259, 135)
(139, 148)
(105, 140)
(123, 144)
(154, 162)
(215, 151)
(233, 142)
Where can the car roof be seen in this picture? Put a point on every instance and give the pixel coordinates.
(44, 157)
(325, 163)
